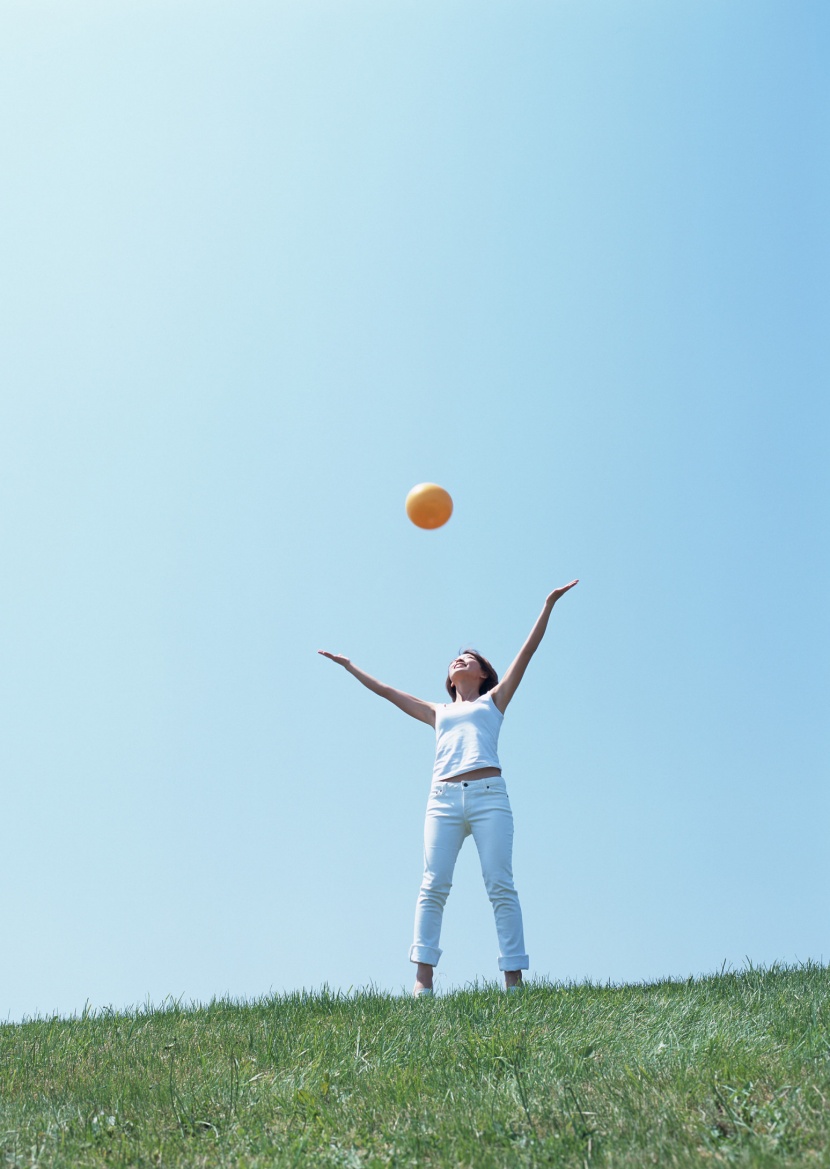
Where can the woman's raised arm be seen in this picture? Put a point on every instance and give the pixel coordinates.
(416, 707)
(504, 690)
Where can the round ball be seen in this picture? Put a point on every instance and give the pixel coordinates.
(428, 505)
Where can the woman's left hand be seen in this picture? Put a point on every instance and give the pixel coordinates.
(557, 593)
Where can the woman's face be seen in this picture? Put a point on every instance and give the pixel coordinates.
(467, 667)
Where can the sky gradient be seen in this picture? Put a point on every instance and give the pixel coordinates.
(265, 267)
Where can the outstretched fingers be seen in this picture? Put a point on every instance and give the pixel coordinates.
(560, 592)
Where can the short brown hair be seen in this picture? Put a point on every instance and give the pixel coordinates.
(487, 682)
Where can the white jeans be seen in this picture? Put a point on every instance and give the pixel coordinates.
(481, 808)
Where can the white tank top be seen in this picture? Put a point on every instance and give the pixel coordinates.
(466, 736)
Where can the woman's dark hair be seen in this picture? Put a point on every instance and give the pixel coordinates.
(487, 682)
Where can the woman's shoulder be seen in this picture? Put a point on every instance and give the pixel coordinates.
(492, 696)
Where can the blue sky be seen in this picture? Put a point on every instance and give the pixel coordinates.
(265, 267)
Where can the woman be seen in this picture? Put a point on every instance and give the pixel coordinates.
(468, 796)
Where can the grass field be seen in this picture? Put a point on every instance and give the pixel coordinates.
(732, 1069)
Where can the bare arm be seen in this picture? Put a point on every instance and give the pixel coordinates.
(506, 688)
(416, 707)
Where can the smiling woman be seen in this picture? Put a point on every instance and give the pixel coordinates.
(468, 796)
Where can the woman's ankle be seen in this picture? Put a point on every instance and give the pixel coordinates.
(512, 978)
(423, 976)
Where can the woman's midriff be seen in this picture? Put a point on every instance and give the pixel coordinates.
(476, 773)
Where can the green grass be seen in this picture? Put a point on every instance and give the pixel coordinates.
(733, 1069)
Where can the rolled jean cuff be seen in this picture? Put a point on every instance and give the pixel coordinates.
(517, 962)
(429, 955)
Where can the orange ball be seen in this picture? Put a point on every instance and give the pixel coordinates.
(428, 505)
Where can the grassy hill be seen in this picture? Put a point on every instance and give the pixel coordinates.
(732, 1070)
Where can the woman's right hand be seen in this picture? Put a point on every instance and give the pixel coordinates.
(339, 658)
(423, 711)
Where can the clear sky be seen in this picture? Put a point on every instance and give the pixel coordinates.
(265, 266)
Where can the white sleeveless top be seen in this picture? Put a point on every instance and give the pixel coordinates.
(466, 736)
